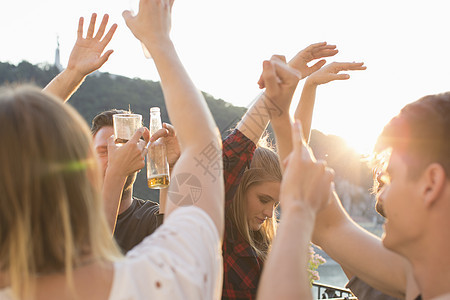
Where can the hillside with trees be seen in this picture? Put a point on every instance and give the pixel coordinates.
(103, 91)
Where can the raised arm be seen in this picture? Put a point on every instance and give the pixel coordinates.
(280, 81)
(330, 72)
(85, 58)
(196, 130)
(362, 254)
(256, 119)
(122, 161)
(304, 190)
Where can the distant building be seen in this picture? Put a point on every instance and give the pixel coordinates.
(57, 63)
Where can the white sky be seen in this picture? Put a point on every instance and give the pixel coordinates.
(404, 44)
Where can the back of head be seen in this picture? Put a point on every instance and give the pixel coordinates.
(105, 119)
(421, 133)
(50, 210)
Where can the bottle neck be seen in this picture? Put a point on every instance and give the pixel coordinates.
(155, 123)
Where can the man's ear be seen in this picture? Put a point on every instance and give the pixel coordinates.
(434, 180)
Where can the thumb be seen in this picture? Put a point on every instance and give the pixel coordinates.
(127, 16)
(137, 135)
(111, 145)
(269, 76)
(105, 57)
(110, 141)
(318, 65)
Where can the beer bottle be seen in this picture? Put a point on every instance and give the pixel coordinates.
(157, 164)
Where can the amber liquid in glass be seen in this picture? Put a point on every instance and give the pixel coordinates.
(158, 182)
(120, 142)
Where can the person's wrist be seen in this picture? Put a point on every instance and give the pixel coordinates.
(292, 206)
(74, 74)
(281, 120)
(116, 172)
(311, 82)
(157, 45)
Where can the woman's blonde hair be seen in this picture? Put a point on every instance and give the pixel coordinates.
(51, 214)
(265, 167)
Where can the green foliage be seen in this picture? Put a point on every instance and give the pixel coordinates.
(103, 91)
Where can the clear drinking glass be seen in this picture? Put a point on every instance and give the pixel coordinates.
(125, 125)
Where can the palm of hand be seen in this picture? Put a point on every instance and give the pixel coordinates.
(324, 75)
(85, 56)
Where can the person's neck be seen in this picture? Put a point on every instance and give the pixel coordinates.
(126, 200)
(4, 280)
(431, 269)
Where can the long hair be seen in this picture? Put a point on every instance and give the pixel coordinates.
(265, 167)
(51, 214)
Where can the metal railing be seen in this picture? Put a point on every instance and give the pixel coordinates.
(325, 291)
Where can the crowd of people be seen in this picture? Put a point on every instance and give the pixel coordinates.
(70, 227)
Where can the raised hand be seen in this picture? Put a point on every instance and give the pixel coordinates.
(85, 58)
(307, 183)
(331, 72)
(86, 55)
(130, 157)
(301, 59)
(152, 23)
(280, 81)
(310, 53)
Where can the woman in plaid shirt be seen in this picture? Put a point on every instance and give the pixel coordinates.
(252, 175)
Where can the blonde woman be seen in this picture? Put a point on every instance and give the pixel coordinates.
(253, 174)
(54, 239)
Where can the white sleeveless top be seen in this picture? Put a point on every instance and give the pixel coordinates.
(182, 259)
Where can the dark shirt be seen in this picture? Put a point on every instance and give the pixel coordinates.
(138, 221)
(242, 268)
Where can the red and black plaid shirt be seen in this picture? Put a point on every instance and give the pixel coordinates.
(242, 268)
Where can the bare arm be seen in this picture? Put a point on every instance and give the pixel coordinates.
(122, 161)
(85, 58)
(281, 79)
(362, 253)
(197, 132)
(305, 108)
(304, 190)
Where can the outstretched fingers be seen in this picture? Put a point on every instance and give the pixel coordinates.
(324, 51)
(102, 27)
(90, 32)
(108, 35)
(339, 67)
(80, 28)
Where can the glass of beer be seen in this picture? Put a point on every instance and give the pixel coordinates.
(125, 125)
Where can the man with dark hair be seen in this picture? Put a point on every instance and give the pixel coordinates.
(136, 218)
